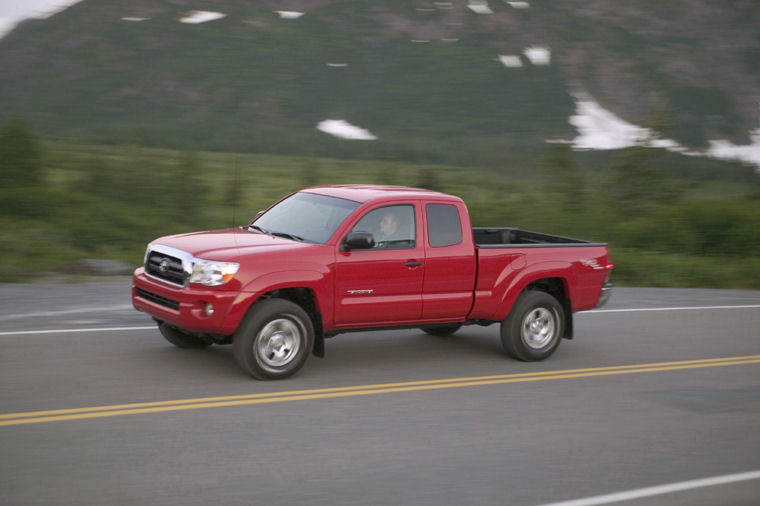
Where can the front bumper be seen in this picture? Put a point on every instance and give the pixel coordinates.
(605, 295)
(193, 309)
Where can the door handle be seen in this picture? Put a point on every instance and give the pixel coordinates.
(413, 263)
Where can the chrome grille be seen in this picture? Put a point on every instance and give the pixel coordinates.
(166, 267)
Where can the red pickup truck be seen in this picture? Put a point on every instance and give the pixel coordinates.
(334, 259)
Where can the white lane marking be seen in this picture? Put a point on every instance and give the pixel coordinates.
(108, 329)
(120, 307)
(686, 308)
(660, 489)
(71, 331)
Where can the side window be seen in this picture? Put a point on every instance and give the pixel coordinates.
(393, 227)
(444, 225)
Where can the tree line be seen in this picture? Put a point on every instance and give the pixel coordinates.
(109, 203)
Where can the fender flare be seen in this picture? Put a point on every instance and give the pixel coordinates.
(531, 274)
(312, 280)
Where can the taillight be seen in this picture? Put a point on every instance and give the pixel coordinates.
(609, 268)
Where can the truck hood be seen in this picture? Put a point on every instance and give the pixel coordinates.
(227, 244)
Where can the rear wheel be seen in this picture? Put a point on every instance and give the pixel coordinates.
(274, 340)
(534, 327)
(181, 339)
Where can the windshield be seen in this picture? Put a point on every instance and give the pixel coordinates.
(305, 217)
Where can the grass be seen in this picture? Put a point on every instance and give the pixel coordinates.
(108, 201)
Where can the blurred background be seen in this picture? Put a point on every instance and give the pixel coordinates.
(634, 123)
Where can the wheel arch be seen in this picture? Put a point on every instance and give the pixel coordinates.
(302, 287)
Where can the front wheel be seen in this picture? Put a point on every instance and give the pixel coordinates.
(534, 327)
(274, 340)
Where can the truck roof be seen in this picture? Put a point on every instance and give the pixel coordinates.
(366, 192)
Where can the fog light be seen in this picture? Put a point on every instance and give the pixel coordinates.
(209, 309)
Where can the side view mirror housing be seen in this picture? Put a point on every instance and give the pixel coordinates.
(357, 240)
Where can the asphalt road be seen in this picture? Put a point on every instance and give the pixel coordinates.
(662, 387)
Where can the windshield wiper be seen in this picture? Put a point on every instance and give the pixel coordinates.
(258, 229)
(276, 234)
(287, 236)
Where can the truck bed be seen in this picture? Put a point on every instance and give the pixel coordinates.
(490, 237)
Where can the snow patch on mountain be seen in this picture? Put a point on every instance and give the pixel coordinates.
(510, 60)
(749, 153)
(289, 14)
(345, 130)
(196, 17)
(600, 129)
(479, 7)
(538, 55)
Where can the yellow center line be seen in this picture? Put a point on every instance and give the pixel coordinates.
(336, 392)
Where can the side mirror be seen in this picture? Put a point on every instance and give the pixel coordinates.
(358, 240)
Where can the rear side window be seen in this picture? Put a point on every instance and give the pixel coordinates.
(444, 225)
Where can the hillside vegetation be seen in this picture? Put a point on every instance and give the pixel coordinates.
(120, 121)
(61, 201)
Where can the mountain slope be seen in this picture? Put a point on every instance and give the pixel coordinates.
(424, 77)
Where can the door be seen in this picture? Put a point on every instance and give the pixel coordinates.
(450, 265)
(382, 285)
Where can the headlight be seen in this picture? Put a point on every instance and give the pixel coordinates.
(211, 273)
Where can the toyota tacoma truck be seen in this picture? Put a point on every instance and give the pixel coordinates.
(333, 259)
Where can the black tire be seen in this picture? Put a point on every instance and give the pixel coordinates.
(274, 340)
(534, 327)
(181, 339)
(442, 330)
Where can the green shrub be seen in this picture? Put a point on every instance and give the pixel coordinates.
(19, 156)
